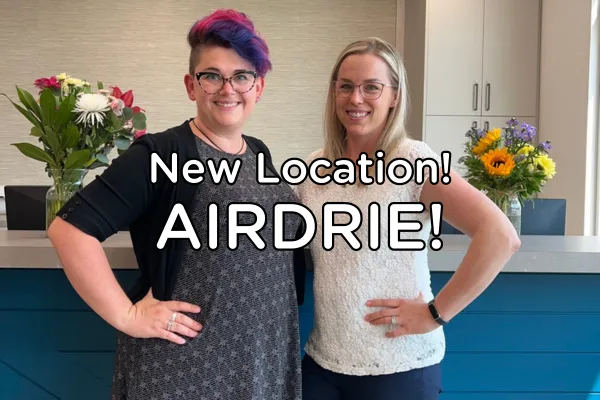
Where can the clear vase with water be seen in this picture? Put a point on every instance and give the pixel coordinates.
(511, 207)
(65, 183)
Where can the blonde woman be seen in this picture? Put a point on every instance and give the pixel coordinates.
(378, 327)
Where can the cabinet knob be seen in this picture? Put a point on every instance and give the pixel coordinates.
(475, 96)
(488, 90)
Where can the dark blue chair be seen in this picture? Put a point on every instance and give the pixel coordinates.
(539, 217)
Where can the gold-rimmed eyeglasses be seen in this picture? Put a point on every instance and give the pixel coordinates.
(212, 82)
(368, 90)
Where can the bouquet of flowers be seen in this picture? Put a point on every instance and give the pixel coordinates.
(76, 128)
(506, 164)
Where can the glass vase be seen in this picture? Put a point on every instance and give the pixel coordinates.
(511, 207)
(65, 183)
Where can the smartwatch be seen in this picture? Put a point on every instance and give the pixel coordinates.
(436, 314)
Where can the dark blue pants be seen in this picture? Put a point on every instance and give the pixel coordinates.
(321, 384)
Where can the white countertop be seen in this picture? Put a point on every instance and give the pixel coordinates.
(538, 254)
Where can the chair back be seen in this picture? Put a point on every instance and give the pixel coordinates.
(538, 217)
(25, 207)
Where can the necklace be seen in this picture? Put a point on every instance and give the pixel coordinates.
(216, 145)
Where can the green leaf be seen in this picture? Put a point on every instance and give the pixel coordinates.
(64, 113)
(139, 121)
(100, 85)
(102, 158)
(115, 121)
(70, 136)
(26, 113)
(122, 143)
(127, 113)
(35, 131)
(52, 140)
(77, 159)
(88, 141)
(34, 152)
(29, 102)
(48, 105)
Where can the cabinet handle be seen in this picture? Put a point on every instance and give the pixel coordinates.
(487, 96)
(487, 126)
(475, 96)
(474, 125)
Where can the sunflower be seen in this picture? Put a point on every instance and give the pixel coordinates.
(486, 141)
(498, 162)
(546, 164)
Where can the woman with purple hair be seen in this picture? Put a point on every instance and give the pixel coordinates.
(201, 322)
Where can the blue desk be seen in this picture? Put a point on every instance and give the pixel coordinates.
(530, 336)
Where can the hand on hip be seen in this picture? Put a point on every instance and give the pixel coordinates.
(151, 318)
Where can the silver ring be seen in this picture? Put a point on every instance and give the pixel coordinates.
(173, 316)
(169, 325)
(393, 320)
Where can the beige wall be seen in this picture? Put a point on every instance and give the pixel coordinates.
(567, 69)
(141, 44)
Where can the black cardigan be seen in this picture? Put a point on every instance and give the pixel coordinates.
(123, 196)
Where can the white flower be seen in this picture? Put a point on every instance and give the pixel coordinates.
(91, 107)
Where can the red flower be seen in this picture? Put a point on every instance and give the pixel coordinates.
(43, 83)
(138, 134)
(126, 97)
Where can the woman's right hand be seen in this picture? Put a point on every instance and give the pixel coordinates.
(151, 318)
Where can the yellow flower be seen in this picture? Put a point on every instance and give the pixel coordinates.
(547, 165)
(61, 77)
(526, 150)
(74, 81)
(498, 162)
(486, 141)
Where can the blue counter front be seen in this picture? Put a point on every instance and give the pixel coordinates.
(530, 336)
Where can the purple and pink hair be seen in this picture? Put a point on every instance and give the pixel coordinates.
(230, 29)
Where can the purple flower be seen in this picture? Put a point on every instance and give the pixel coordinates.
(546, 145)
(512, 122)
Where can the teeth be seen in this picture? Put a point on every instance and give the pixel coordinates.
(226, 104)
(357, 114)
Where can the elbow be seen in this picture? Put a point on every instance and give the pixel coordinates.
(514, 242)
(54, 230)
(511, 238)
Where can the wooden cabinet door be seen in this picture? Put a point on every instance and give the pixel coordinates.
(510, 57)
(454, 57)
(447, 133)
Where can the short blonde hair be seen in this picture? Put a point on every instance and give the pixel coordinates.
(394, 130)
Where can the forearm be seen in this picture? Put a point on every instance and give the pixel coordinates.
(487, 254)
(87, 268)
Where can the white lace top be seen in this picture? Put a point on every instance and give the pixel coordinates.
(344, 279)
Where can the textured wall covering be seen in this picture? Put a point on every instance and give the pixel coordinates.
(141, 44)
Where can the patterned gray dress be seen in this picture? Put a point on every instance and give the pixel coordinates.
(249, 346)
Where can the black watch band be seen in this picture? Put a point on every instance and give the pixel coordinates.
(436, 314)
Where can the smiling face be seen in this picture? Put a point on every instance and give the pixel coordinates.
(223, 109)
(362, 116)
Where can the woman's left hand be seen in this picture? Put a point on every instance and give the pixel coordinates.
(411, 316)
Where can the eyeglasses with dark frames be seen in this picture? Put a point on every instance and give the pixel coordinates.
(213, 82)
(368, 90)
